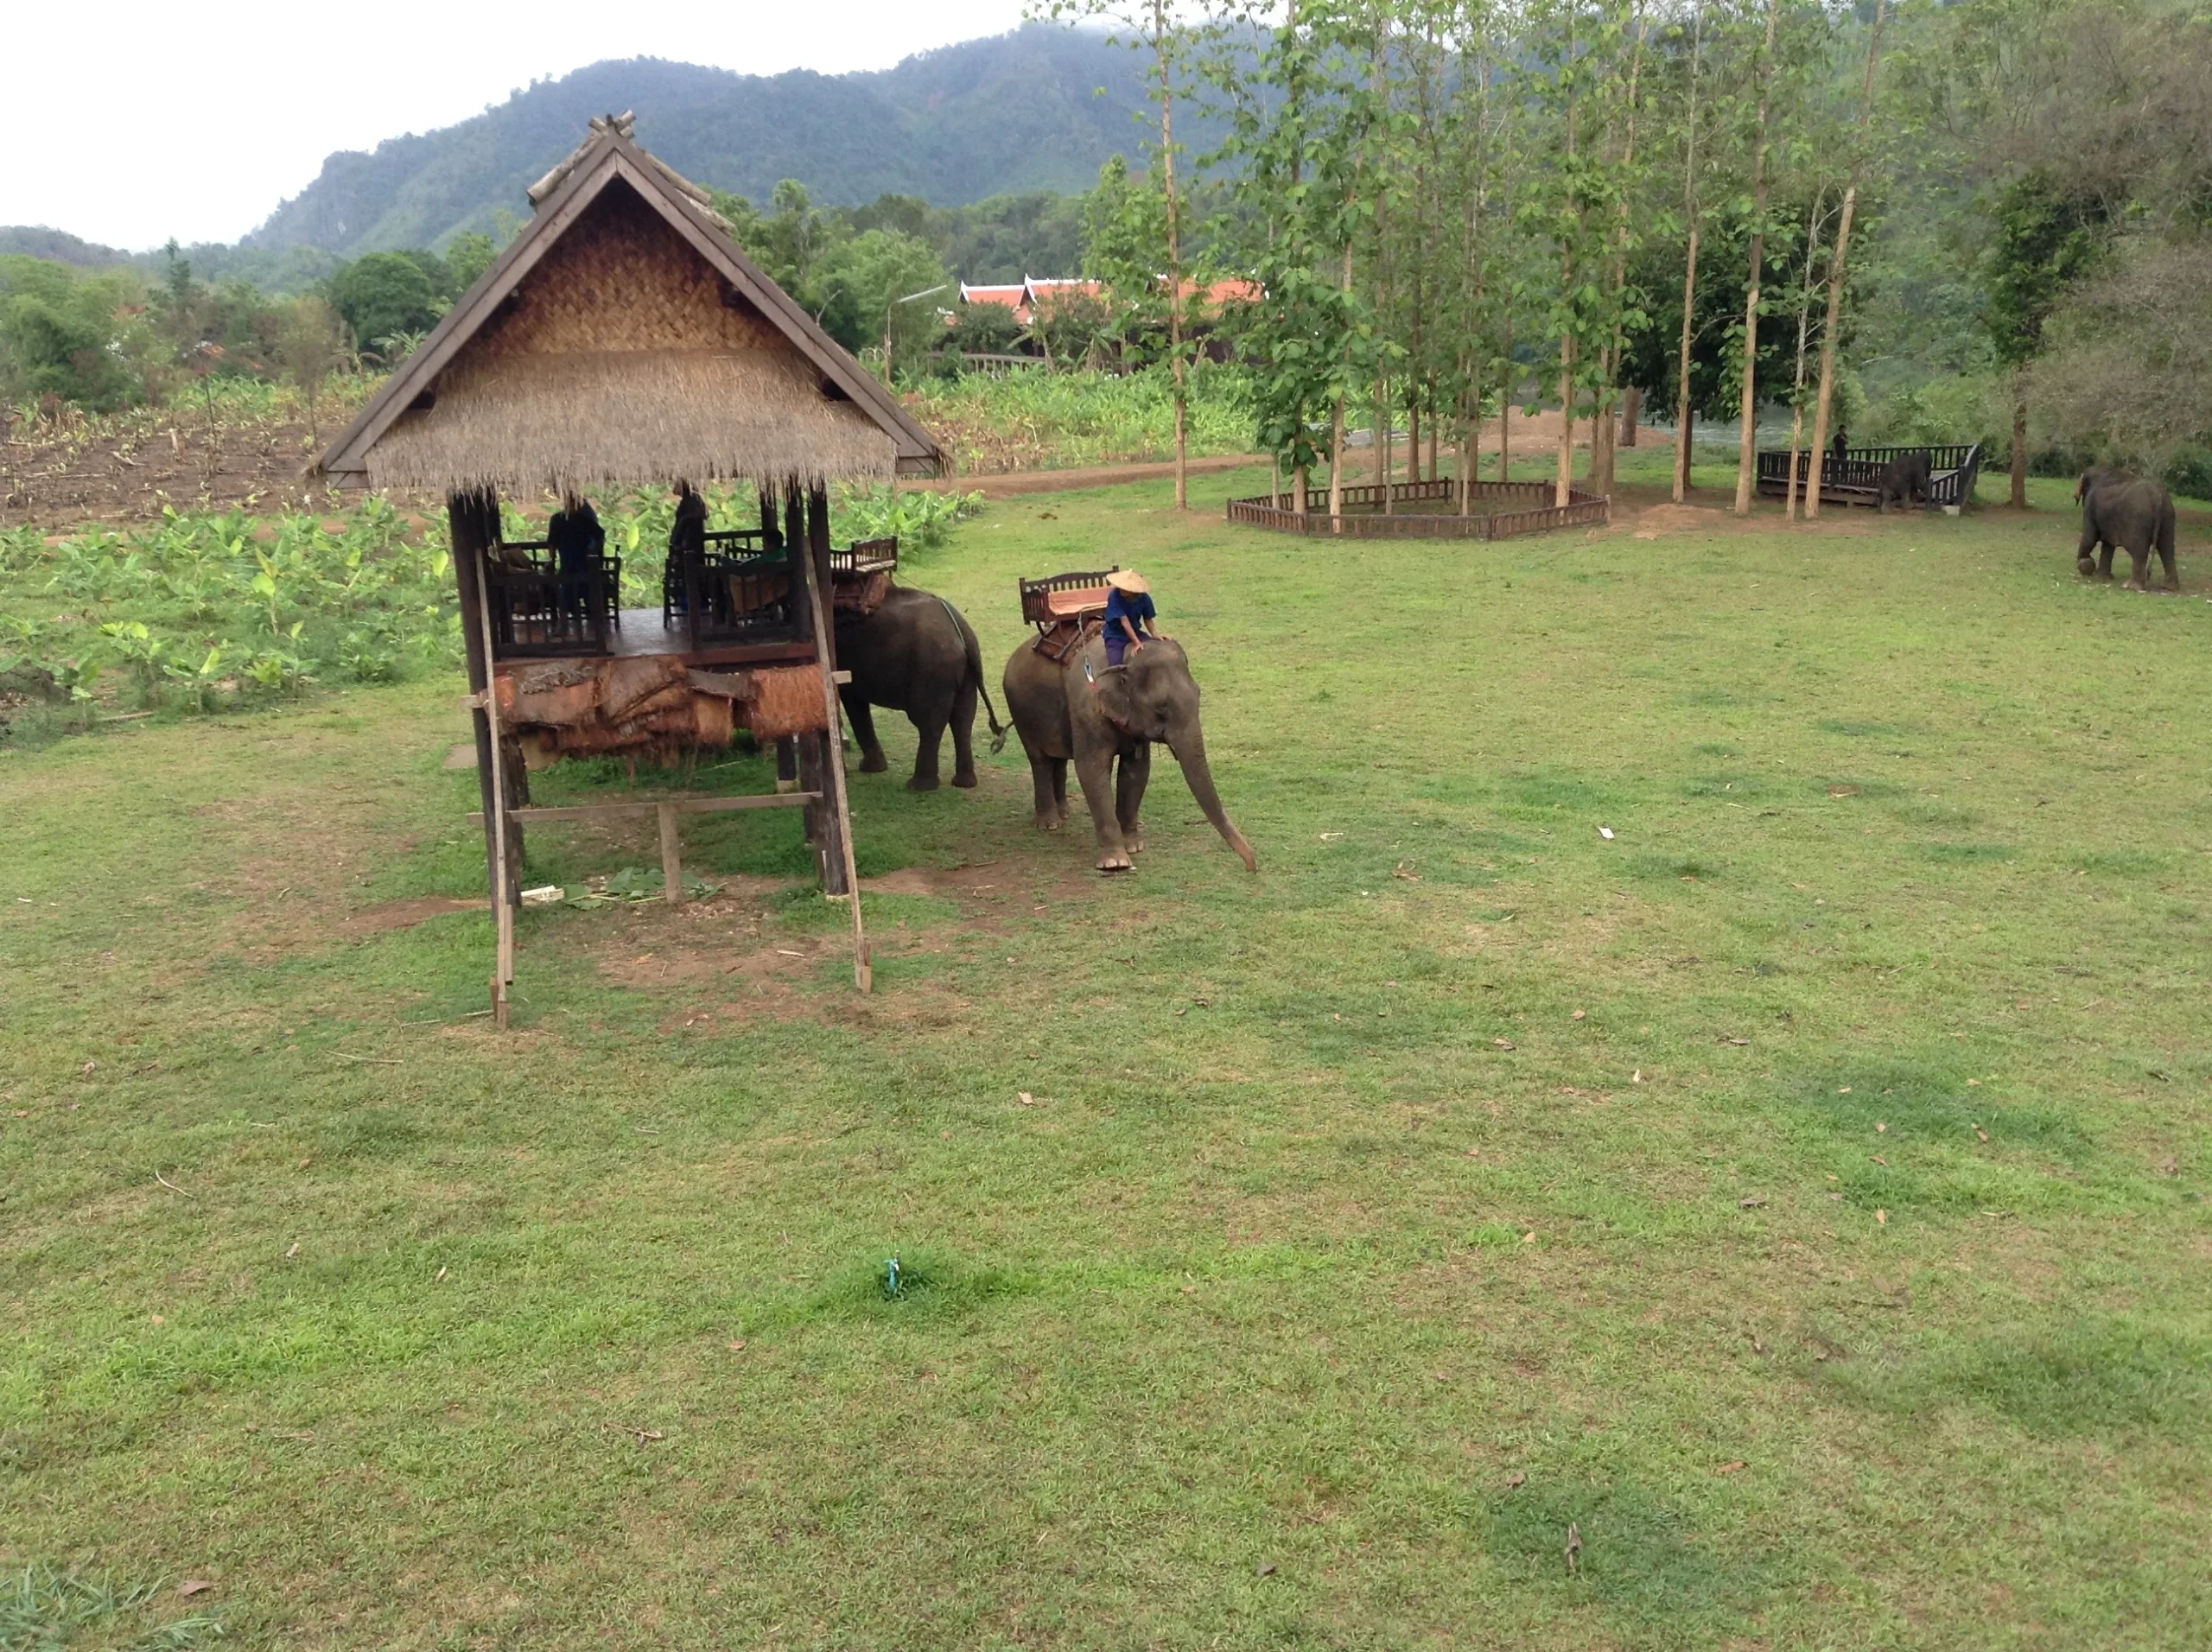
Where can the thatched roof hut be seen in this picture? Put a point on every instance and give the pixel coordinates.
(623, 339)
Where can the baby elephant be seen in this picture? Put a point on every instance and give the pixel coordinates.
(1905, 480)
(2125, 513)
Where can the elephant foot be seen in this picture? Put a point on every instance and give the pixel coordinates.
(1051, 822)
(1116, 862)
(2134, 585)
(965, 779)
(1134, 842)
(923, 783)
(874, 763)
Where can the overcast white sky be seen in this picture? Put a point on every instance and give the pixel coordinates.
(139, 121)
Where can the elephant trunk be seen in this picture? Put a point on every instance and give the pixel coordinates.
(1189, 750)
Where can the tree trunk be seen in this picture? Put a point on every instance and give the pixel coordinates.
(2020, 442)
(1824, 398)
(1838, 265)
(1747, 431)
(1631, 412)
(1565, 484)
(1337, 469)
(1683, 417)
(1174, 258)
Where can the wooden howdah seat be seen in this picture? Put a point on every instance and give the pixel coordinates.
(1065, 608)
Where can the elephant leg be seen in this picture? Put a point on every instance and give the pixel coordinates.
(2173, 573)
(963, 733)
(2138, 563)
(1059, 767)
(1129, 795)
(1095, 774)
(930, 725)
(1043, 772)
(862, 719)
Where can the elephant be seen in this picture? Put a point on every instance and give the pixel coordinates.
(1905, 480)
(2125, 513)
(916, 654)
(1079, 709)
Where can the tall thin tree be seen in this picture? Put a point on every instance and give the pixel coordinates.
(1839, 264)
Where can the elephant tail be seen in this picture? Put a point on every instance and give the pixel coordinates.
(972, 647)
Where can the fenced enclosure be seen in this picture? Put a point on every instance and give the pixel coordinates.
(1429, 511)
(1855, 478)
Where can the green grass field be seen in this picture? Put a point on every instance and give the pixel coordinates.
(1801, 1192)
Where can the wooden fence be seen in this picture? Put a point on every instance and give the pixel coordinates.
(1856, 477)
(1539, 515)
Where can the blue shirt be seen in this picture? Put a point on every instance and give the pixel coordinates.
(1137, 609)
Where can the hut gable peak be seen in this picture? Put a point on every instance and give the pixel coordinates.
(623, 337)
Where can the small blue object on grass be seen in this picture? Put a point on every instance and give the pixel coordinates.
(891, 1277)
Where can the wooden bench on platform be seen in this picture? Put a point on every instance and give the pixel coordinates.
(1856, 477)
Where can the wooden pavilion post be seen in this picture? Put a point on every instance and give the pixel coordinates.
(474, 521)
(839, 874)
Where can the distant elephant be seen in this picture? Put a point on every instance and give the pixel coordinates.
(1080, 710)
(917, 655)
(1904, 478)
(2125, 513)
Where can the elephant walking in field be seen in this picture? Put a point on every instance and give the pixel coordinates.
(1079, 711)
(917, 654)
(2125, 513)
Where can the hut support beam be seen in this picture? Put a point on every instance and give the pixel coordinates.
(473, 519)
(835, 815)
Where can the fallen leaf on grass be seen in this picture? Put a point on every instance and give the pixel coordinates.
(1752, 1203)
(1878, 1158)
(1516, 1479)
(1605, 832)
(292, 1251)
(1983, 1133)
(1027, 1100)
(1266, 1568)
(1739, 1043)
(1636, 1078)
(1730, 1468)
(192, 1586)
(1529, 1237)
(1578, 1014)
(1502, 1044)
(2170, 1167)
(1881, 1218)
(441, 1273)
(1402, 870)
(1879, 1129)
(738, 1347)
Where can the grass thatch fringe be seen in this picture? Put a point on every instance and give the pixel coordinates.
(523, 423)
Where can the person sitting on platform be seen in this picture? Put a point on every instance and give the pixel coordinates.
(1130, 617)
(577, 542)
(687, 538)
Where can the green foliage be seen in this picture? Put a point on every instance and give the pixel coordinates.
(2048, 239)
(880, 282)
(1030, 417)
(920, 521)
(468, 256)
(202, 611)
(384, 296)
(67, 333)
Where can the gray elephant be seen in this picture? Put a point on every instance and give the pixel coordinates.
(1080, 711)
(1904, 478)
(915, 654)
(2125, 513)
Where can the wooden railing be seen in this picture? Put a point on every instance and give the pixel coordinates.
(1856, 477)
(1538, 514)
(535, 610)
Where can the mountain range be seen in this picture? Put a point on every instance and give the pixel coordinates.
(1038, 109)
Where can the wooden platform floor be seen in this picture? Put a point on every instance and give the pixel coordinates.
(642, 634)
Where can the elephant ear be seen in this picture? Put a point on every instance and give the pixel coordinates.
(1115, 696)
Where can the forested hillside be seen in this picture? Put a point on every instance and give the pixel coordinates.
(1017, 112)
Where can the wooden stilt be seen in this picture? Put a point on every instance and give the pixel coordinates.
(473, 519)
(503, 904)
(836, 814)
(672, 859)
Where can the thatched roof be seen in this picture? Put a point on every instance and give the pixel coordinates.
(623, 338)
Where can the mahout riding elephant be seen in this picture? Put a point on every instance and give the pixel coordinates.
(1078, 710)
(2125, 513)
(1904, 478)
(916, 654)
